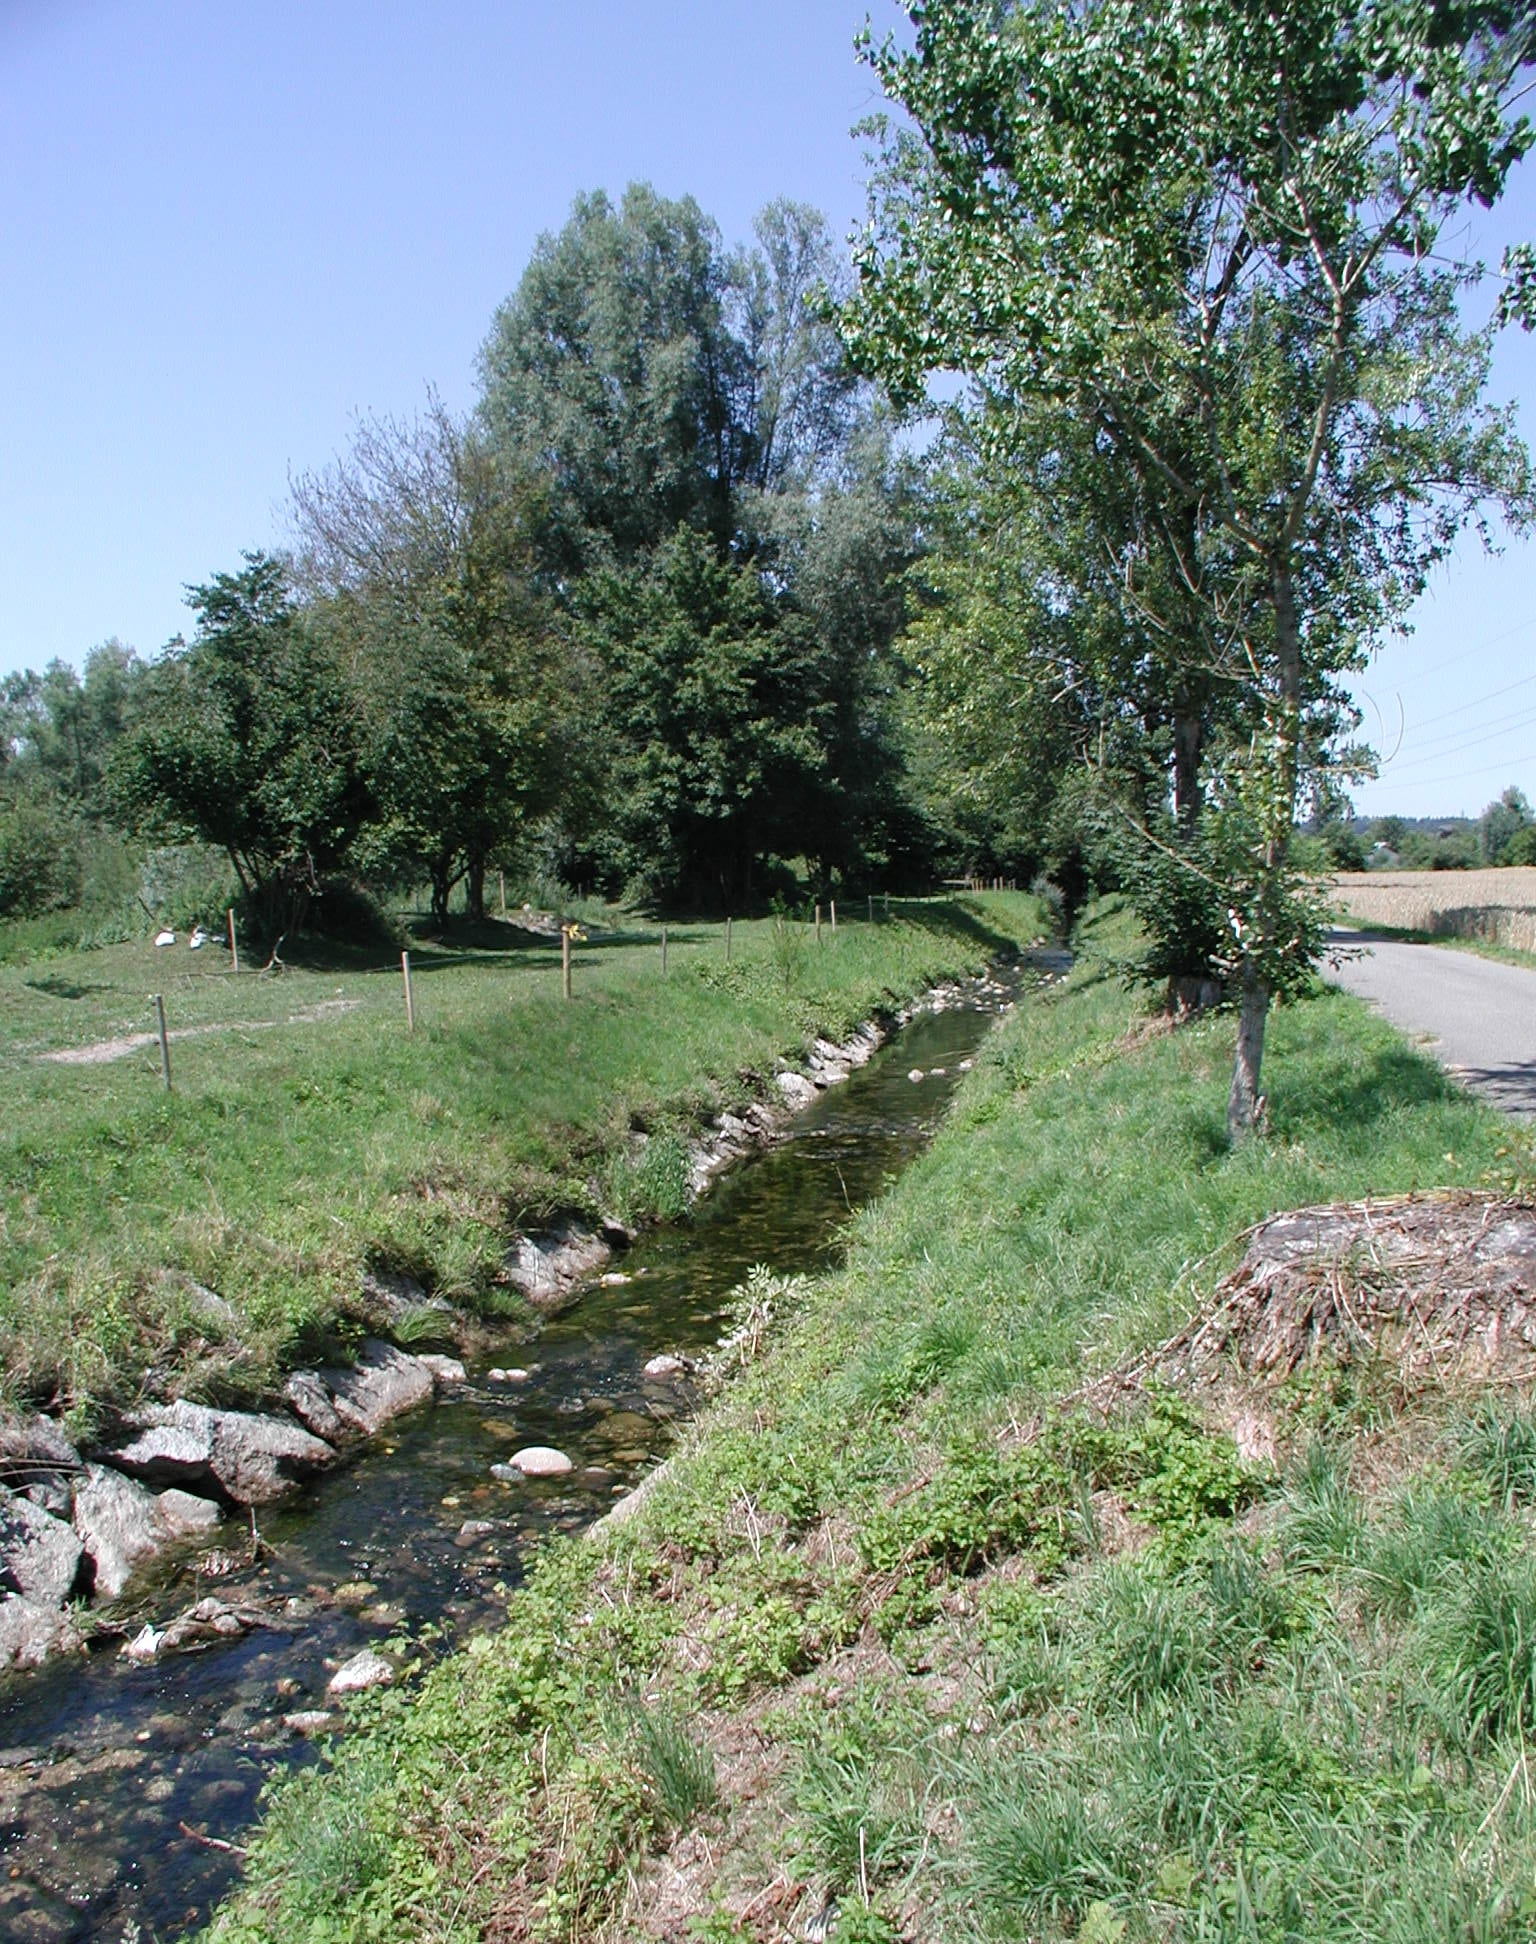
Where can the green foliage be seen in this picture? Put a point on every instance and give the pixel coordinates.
(1521, 847)
(1177, 1475)
(248, 741)
(978, 1502)
(40, 866)
(653, 380)
(650, 1183)
(1501, 825)
(679, 1771)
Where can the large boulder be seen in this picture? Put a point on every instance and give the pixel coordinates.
(383, 1383)
(120, 1526)
(547, 1271)
(248, 1458)
(39, 1554)
(360, 1401)
(310, 1401)
(29, 1633)
(33, 1447)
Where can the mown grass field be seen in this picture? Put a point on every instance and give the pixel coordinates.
(309, 1137)
(1484, 909)
(907, 1630)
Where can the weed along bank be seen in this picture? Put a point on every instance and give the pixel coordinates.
(1128, 1530)
(260, 1569)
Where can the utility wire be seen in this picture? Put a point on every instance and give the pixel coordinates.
(1515, 726)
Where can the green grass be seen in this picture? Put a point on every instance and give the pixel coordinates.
(990, 1666)
(310, 1137)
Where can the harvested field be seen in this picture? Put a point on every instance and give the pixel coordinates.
(1499, 906)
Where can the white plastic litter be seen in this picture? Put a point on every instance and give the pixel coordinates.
(165, 938)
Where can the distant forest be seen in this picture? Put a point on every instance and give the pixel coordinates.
(676, 615)
(635, 624)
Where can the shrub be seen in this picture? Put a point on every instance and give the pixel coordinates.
(39, 859)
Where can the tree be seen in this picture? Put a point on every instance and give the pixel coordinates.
(248, 739)
(1208, 235)
(418, 553)
(610, 374)
(1501, 823)
(716, 713)
(59, 730)
(649, 378)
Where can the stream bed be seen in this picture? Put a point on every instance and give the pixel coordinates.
(114, 1777)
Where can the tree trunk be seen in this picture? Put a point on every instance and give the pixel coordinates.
(1188, 741)
(442, 887)
(474, 888)
(1245, 1104)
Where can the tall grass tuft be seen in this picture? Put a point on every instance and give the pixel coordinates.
(678, 1771)
(1324, 1522)
(1431, 1540)
(1498, 1446)
(1479, 1635)
(324, 1832)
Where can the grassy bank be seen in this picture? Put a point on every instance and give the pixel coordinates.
(907, 1629)
(309, 1137)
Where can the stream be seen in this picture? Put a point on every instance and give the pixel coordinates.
(113, 1776)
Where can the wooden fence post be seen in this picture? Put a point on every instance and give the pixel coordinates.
(870, 901)
(727, 941)
(663, 951)
(834, 914)
(234, 948)
(817, 922)
(410, 1003)
(501, 889)
(165, 1042)
(565, 961)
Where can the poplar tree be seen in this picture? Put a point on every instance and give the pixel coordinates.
(1211, 236)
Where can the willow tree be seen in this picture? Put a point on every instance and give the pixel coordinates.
(1209, 234)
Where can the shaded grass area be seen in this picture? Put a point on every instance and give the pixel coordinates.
(309, 1137)
(966, 1660)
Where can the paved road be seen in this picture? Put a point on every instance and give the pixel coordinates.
(1478, 1014)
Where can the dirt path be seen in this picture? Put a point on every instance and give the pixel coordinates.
(99, 1052)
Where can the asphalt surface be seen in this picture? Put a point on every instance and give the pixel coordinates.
(1476, 1015)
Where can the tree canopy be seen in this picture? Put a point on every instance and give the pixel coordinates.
(1207, 236)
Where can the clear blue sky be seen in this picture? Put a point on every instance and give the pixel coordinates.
(227, 229)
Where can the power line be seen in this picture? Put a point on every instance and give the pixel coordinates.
(1514, 726)
(1453, 735)
(1461, 776)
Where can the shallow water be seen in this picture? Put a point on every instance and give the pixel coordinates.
(113, 1776)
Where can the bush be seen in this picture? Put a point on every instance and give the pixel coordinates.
(39, 859)
(188, 884)
(1521, 848)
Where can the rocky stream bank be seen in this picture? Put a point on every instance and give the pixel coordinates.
(176, 1490)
